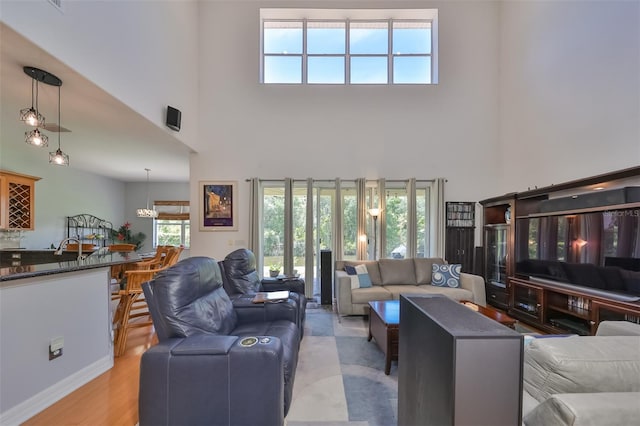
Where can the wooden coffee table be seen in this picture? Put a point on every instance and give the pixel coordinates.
(489, 312)
(384, 318)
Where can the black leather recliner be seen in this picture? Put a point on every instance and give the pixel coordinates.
(215, 364)
(242, 282)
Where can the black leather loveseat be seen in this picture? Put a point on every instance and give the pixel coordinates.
(215, 364)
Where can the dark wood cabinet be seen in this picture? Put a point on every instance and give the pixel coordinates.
(566, 310)
(459, 247)
(498, 243)
(460, 233)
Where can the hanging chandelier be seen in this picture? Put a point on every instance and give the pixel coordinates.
(148, 213)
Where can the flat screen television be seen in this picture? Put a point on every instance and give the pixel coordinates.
(597, 251)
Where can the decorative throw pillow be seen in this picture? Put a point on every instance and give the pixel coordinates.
(359, 276)
(447, 275)
(350, 270)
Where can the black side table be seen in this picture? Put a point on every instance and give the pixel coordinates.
(282, 282)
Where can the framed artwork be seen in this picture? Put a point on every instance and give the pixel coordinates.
(218, 205)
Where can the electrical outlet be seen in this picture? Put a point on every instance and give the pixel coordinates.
(55, 347)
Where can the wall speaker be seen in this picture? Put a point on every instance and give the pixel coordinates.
(174, 116)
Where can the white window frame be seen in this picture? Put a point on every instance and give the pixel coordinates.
(183, 207)
(347, 16)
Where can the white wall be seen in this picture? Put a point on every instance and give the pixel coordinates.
(136, 197)
(64, 191)
(569, 90)
(447, 130)
(74, 306)
(144, 53)
(61, 192)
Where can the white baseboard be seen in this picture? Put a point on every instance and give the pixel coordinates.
(52, 394)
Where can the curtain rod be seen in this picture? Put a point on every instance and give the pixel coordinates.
(348, 180)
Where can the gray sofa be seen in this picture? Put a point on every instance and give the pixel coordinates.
(391, 277)
(583, 380)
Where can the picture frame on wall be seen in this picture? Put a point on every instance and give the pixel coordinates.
(218, 205)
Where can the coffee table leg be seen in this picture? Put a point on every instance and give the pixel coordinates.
(387, 363)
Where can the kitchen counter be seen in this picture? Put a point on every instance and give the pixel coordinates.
(18, 270)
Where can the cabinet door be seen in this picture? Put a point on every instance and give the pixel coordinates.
(4, 202)
(17, 201)
(526, 302)
(459, 247)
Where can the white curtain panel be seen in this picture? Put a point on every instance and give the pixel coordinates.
(382, 218)
(288, 226)
(337, 223)
(309, 244)
(437, 210)
(361, 220)
(412, 240)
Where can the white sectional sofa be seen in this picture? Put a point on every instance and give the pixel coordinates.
(391, 277)
(583, 380)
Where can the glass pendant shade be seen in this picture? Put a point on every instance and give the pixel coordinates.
(58, 158)
(36, 138)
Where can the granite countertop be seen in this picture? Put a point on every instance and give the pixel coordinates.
(96, 260)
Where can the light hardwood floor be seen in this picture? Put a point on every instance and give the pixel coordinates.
(111, 398)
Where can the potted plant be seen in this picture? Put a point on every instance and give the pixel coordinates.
(274, 270)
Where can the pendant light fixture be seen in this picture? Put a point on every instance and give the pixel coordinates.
(150, 213)
(36, 138)
(59, 158)
(31, 116)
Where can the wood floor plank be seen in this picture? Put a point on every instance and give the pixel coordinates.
(111, 398)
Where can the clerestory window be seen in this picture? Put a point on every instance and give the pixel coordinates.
(336, 46)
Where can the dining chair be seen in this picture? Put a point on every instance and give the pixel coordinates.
(156, 261)
(132, 310)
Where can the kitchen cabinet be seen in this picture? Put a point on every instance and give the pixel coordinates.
(17, 201)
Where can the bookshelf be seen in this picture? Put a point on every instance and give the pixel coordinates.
(460, 214)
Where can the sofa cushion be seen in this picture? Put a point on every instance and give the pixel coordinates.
(447, 275)
(190, 299)
(457, 294)
(575, 409)
(424, 267)
(397, 271)
(359, 276)
(241, 274)
(372, 269)
(367, 294)
(397, 290)
(582, 364)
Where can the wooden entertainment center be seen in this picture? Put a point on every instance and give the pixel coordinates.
(565, 257)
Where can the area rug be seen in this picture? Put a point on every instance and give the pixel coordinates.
(340, 377)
